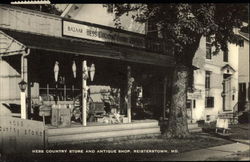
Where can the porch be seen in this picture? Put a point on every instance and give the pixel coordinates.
(106, 132)
(116, 67)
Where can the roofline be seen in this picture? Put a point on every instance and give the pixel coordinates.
(66, 10)
(243, 36)
(29, 10)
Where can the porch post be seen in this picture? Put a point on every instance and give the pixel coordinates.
(24, 77)
(84, 92)
(247, 91)
(130, 81)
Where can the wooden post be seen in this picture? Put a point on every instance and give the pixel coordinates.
(65, 92)
(24, 77)
(129, 87)
(247, 91)
(84, 92)
(191, 108)
(164, 96)
(47, 91)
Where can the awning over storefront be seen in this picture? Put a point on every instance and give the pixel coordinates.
(79, 47)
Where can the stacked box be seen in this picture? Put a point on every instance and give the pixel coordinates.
(125, 120)
(61, 117)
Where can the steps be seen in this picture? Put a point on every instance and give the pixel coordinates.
(193, 128)
(72, 134)
(110, 132)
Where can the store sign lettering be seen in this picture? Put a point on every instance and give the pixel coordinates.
(104, 35)
(20, 135)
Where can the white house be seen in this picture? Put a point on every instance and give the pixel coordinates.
(244, 72)
(215, 82)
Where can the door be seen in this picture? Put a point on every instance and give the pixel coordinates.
(227, 98)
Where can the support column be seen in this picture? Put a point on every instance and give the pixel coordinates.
(84, 92)
(130, 81)
(24, 77)
(247, 91)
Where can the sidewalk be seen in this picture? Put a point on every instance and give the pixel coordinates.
(208, 153)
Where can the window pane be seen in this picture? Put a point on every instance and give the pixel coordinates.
(188, 103)
(208, 52)
(225, 56)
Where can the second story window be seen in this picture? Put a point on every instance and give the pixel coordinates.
(208, 48)
(207, 79)
(225, 56)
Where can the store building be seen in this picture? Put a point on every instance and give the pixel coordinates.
(63, 60)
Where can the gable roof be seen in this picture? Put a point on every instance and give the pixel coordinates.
(228, 67)
(244, 35)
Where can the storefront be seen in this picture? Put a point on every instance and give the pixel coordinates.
(91, 75)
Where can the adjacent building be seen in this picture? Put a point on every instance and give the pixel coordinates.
(221, 80)
(244, 72)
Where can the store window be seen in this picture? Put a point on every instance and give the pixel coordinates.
(209, 102)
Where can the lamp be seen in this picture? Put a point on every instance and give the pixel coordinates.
(92, 72)
(74, 69)
(56, 70)
(22, 85)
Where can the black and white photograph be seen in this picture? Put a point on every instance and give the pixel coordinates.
(110, 81)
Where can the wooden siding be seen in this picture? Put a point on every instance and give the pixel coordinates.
(9, 79)
(31, 21)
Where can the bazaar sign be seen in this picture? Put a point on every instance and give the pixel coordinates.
(20, 135)
(86, 31)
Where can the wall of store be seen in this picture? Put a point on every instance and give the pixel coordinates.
(97, 14)
(9, 79)
(30, 21)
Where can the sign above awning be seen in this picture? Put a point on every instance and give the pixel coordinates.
(85, 48)
(86, 31)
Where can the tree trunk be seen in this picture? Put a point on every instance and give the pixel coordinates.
(177, 125)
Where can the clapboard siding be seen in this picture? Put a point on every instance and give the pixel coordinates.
(31, 21)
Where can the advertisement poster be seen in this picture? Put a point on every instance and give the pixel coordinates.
(137, 81)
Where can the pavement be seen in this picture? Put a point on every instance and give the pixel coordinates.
(217, 152)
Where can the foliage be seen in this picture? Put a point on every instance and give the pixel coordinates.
(182, 25)
(48, 8)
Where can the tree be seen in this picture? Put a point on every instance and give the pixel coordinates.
(182, 26)
(48, 8)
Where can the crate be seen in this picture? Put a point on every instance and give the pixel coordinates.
(61, 117)
(125, 120)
